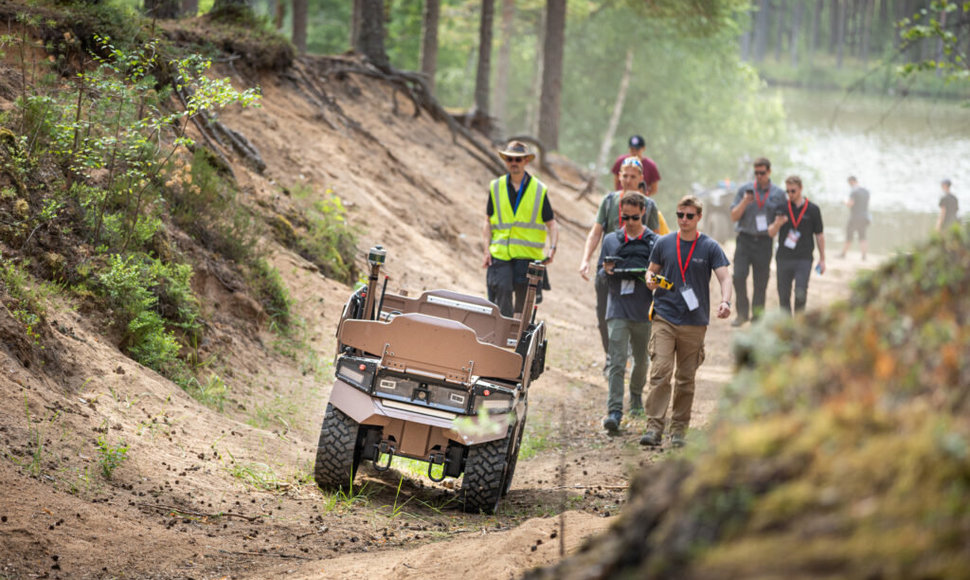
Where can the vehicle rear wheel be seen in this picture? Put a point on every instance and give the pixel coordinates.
(338, 451)
(513, 457)
(484, 479)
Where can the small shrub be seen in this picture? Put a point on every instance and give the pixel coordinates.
(272, 293)
(110, 457)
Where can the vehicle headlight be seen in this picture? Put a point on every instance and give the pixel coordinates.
(358, 372)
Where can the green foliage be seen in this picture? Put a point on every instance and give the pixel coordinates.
(330, 242)
(930, 24)
(268, 285)
(139, 288)
(213, 392)
(110, 457)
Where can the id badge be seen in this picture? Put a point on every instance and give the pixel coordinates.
(627, 286)
(690, 298)
(791, 240)
(761, 222)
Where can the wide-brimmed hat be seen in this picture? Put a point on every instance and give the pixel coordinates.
(518, 149)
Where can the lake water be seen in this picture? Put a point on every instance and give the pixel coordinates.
(900, 149)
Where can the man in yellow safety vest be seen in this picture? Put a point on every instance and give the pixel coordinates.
(519, 222)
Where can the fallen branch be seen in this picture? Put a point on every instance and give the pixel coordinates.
(180, 511)
(290, 556)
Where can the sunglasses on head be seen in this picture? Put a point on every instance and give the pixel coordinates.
(762, 172)
(681, 215)
(792, 190)
(634, 217)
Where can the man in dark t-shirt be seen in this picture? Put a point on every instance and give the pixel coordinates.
(626, 256)
(949, 205)
(686, 258)
(859, 218)
(799, 229)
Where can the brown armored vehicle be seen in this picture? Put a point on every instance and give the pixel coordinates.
(442, 378)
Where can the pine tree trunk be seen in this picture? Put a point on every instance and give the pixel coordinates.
(796, 25)
(167, 9)
(552, 55)
(429, 41)
(501, 99)
(780, 14)
(532, 109)
(300, 10)
(370, 34)
(816, 29)
(761, 31)
(355, 16)
(617, 112)
(484, 69)
(840, 33)
(190, 8)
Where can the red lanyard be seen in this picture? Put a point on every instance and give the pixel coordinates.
(757, 197)
(680, 261)
(795, 222)
(626, 236)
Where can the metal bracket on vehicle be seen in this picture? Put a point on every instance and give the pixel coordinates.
(436, 459)
(382, 448)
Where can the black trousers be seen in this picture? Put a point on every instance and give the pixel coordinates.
(751, 253)
(789, 271)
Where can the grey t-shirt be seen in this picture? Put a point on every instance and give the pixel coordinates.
(772, 202)
(950, 206)
(859, 212)
(707, 257)
(628, 297)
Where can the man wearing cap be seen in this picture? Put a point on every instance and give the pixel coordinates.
(608, 219)
(518, 223)
(949, 205)
(755, 207)
(651, 175)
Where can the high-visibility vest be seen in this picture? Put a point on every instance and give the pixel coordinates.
(520, 233)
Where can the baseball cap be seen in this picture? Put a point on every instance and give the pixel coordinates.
(637, 142)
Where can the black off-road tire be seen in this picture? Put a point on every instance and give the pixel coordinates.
(513, 456)
(338, 451)
(484, 479)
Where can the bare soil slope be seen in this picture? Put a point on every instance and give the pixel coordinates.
(207, 493)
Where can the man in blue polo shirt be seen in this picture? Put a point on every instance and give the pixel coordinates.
(755, 207)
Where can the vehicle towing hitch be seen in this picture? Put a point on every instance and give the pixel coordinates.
(384, 447)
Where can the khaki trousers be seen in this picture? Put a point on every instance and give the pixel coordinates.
(670, 344)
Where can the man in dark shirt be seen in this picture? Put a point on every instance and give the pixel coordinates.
(686, 258)
(949, 205)
(626, 254)
(798, 229)
(651, 175)
(754, 207)
(859, 218)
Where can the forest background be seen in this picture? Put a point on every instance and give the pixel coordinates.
(699, 69)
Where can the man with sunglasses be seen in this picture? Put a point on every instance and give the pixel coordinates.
(626, 254)
(798, 230)
(685, 258)
(607, 221)
(755, 207)
(518, 223)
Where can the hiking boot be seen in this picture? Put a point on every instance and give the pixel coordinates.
(637, 412)
(738, 322)
(651, 439)
(612, 422)
(677, 441)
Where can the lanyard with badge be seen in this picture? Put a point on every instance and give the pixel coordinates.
(518, 193)
(761, 220)
(628, 285)
(687, 292)
(793, 234)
